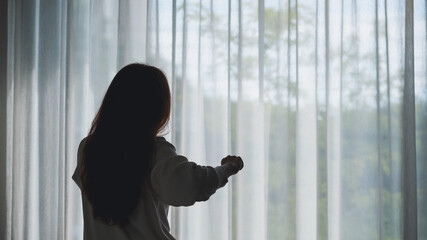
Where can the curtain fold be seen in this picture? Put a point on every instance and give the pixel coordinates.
(326, 102)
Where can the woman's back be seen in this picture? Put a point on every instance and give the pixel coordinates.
(166, 187)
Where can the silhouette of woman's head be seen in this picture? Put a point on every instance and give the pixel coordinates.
(119, 147)
(138, 99)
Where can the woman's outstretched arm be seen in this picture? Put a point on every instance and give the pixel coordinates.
(179, 182)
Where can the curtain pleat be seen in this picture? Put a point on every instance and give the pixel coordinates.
(409, 173)
(379, 129)
(420, 89)
(305, 108)
(324, 100)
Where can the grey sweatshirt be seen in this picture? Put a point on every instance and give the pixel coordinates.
(174, 181)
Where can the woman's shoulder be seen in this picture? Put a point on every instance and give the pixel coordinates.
(80, 149)
(164, 149)
(83, 142)
(162, 141)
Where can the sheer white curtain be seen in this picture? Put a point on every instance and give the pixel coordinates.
(326, 102)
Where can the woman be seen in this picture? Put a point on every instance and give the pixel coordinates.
(127, 174)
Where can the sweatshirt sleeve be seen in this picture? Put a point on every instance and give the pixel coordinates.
(179, 182)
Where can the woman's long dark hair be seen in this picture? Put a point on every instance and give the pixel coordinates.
(119, 147)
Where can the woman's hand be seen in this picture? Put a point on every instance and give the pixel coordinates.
(233, 163)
